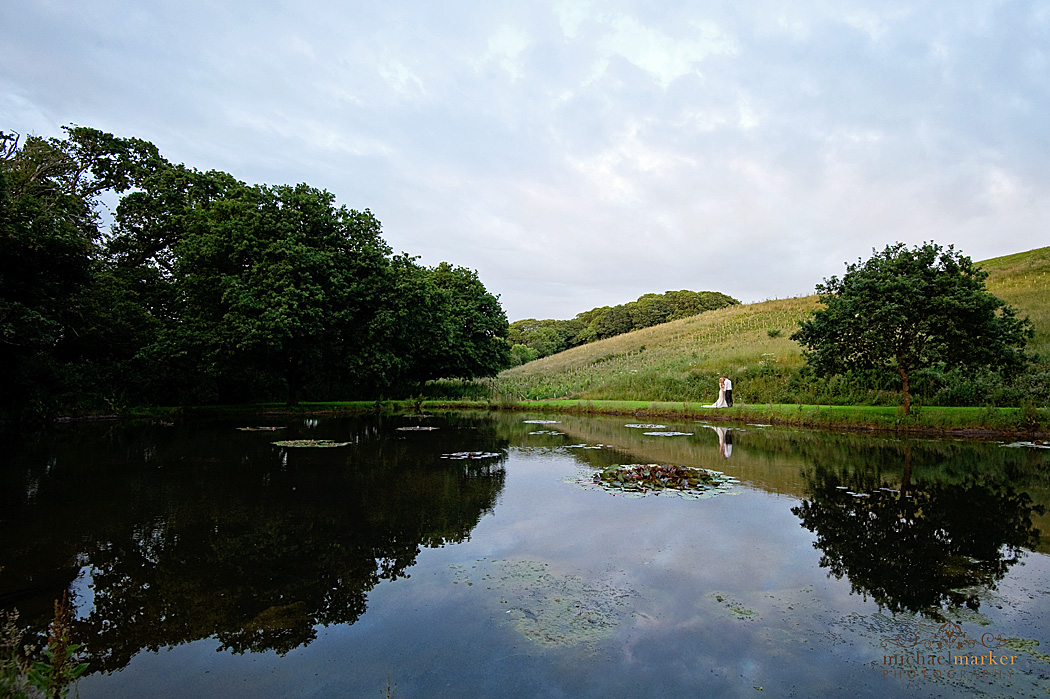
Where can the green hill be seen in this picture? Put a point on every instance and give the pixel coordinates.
(681, 360)
(1023, 281)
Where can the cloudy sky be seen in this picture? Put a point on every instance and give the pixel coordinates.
(580, 154)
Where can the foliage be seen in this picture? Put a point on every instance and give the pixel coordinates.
(907, 309)
(477, 326)
(54, 675)
(49, 235)
(678, 360)
(682, 359)
(50, 677)
(522, 354)
(208, 289)
(549, 337)
(644, 478)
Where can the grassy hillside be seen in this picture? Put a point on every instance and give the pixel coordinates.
(681, 360)
(1023, 281)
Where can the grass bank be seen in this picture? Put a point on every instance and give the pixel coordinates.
(1028, 422)
(751, 343)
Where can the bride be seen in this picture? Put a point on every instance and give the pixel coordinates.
(721, 402)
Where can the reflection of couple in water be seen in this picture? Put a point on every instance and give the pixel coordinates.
(725, 441)
(725, 394)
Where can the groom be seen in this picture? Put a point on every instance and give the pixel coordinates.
(729, 391)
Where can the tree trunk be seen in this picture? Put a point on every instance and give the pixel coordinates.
(904, 387)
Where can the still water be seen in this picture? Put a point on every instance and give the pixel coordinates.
(473, 555)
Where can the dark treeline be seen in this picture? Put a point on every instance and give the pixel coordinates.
(532, 339)
(205, 289)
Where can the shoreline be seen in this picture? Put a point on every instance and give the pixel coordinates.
(974, 423)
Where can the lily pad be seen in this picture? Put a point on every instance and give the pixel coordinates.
(648, 427)
(470, 455)
(310, 443)
(668, 434)
(542, 422)
(416, 428)
(259, 429)
(1028, 445)
(655, 478)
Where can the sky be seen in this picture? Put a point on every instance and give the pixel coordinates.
(581, 154)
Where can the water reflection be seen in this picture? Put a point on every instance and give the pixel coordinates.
(725, 441)
(174, 534)
(207, 532)
(917, 544)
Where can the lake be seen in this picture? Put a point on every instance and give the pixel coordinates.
(502, 554)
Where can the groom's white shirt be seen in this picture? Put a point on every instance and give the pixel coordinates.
(729, 385)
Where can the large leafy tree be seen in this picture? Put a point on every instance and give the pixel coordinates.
(206, 288)
(473, 342)
(282, 278)
(176, 210)
(410, 332)
(910, 308)
(50, 267)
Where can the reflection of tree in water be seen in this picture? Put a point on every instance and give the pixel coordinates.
(234, 546)
(918, 546)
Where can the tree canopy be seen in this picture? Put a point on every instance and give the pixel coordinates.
(533, 338)
(905, 309)
(204, 288)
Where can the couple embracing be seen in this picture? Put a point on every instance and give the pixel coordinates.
(725, 394)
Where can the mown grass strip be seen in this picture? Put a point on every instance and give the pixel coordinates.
(934, 420)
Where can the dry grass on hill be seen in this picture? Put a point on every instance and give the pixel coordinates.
(1023, 281)
(681, 360)
(668, 361)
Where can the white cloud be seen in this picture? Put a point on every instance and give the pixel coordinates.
(401, 78)
(505, 47)
(666, 58)
(580, 154)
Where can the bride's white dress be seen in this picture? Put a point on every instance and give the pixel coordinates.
(721, 402)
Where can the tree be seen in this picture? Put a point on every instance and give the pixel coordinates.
(409, 332)
(546, 341)
(649, 310)
(476, 327)
(615, 321)
(522, 354)
(282, 278)
(49, 254)
(205, 288)
(546, 337)
(906, 309)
